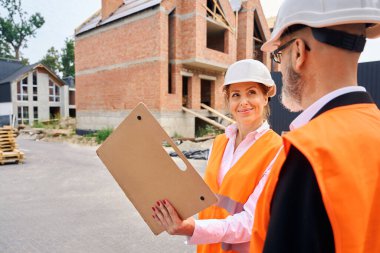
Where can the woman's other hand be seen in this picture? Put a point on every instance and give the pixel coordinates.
(166, 216)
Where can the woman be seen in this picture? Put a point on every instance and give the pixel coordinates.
(238, 164)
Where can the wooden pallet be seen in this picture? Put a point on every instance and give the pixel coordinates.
(7, 135)
(7, 142)
(14, 156)
(8, 148)
(6, 131)
(7, 139)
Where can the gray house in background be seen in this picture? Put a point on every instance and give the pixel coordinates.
(33, 93)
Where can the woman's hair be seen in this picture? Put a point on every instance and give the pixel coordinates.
(265, 89)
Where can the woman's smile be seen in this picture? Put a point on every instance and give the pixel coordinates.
(245, 110)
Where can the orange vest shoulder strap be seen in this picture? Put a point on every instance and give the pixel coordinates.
(262, 213)
(214, 162)
(250, 167)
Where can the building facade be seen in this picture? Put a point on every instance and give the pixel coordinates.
(32, 93)
(168, 54)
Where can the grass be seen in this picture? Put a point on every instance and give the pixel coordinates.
(38, 124)
(102, 134)
(208, 130)
(48, 124)
(177, 135)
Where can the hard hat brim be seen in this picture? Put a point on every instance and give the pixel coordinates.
(318, 20)
(271, 86)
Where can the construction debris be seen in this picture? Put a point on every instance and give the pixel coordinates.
(193, 154)
(191, 149)
(212, 122)
(8, 147)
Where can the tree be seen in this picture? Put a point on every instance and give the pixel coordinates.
(67, 58)
(51, 60)
(5, 50)
(15, 28)
(25, 61)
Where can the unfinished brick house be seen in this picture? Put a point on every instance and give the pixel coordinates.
(168, 54)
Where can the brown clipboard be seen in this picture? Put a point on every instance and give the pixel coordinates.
(136, 158)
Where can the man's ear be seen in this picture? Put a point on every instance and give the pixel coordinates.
(299, 55)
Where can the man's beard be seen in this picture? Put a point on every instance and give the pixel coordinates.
(292, 89)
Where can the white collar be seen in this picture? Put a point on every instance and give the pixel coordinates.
(232, 129)
(309, 112)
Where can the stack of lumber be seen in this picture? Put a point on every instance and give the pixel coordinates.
(8, 147)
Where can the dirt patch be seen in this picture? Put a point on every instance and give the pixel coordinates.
(64, 131)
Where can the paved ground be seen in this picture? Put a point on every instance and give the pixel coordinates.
(64, 200)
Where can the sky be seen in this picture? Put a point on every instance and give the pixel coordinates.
(63, 16)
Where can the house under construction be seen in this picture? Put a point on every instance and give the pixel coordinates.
(169, 54)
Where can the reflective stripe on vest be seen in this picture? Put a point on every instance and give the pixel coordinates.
(236, 247)
(230, 205)
(238, 184)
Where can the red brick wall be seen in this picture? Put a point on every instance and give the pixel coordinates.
(129, 42)
(245, 30)
(121, 64)
(115, 69)
(119, 88)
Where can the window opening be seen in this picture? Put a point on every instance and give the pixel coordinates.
(34, 87)
(206, 92)
(258, 39)
(217, 27)
(171, 38)
(23, 115)
(185, 91)
(35, 113)
(71, 97)
(54, 92)
(55, 112)
(22, 90)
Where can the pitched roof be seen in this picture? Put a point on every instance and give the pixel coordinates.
(128, 8)
(70, 81)
(18, 73)
(25, 69)
(8, 66)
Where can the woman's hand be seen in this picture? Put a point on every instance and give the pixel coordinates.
(166, 216)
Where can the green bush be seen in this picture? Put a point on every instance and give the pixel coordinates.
(207, 130)
(177, 135)
(103, 134)
(37, 124)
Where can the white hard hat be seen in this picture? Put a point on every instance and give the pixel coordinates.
(324, 13)
(250, 70)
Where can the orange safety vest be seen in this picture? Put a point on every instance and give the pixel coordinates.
(238, 184)
(342, 146)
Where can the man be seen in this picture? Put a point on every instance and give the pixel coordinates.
(323, 195)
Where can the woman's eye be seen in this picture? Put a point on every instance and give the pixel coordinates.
(251, 92)
(234, 94)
